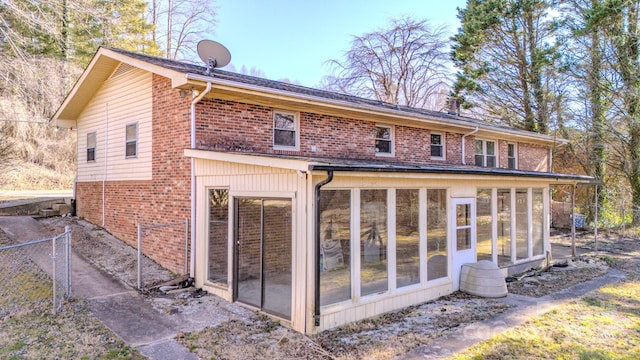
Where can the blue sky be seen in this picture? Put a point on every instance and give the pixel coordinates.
(291, 39)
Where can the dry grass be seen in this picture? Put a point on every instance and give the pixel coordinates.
(559, 278)
(28, 330)
(604, 324)
(382, 337)
(29, 176)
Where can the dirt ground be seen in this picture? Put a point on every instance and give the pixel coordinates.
(251, 335)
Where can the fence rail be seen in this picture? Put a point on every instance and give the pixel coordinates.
(26, 268)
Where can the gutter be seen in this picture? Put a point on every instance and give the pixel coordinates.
(470, 171)
(309, 99)
(192, 260)
(316, 315)
(464, 161)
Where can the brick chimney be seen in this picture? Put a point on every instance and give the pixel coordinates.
(453, 106)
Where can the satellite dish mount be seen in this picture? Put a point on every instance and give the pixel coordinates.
(213, 54)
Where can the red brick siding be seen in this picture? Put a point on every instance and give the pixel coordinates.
(453, 144)
(228, 125)
(503, 154)
(165, 199)
(413, 144)
(533, 157)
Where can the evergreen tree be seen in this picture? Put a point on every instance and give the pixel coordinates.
(506, 55)
(118, 24)
(618, 21)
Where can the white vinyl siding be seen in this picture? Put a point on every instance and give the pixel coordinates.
(120, 101)
(264, 182)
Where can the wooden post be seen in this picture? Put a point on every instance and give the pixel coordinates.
(595, 220)
(573, 221)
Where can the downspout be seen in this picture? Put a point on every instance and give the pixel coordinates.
(316, 315)
(106, 156)
(464, 161)
(192, 260)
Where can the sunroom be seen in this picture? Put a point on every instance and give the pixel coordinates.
(319, 243)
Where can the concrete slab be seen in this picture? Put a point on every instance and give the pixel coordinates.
(133, 319)
(167, 350)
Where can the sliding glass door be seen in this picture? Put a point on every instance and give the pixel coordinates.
(263, 232)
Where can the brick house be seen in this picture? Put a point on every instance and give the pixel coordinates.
(314, 207)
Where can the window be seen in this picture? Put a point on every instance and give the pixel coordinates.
(504, 227)
(91, 146)
(436, 234)
(437, 146)
(285, 131)
(485, 153)
(218, 236)
(484, 222)
(463, 227)
(522, 225)
(407, 237)
(132, 141)
(537, 219)
(511, 155)
(384, 140)
(373, 241)
(335, 246)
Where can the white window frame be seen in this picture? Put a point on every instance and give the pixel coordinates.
(484, 152)
(515, 156)
(442, 145)
(296, 120)
(225, 287)
(392, 151)
(127, 141)
(95, 145)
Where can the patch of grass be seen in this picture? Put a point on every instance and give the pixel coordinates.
(611, 262)
(605, 324)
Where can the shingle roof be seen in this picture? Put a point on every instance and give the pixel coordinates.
(386, 166)
(188, 68)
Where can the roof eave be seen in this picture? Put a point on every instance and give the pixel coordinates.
(559, 178)
(101, 66)
(460, 124)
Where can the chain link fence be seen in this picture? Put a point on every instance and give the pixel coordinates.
(35, 275)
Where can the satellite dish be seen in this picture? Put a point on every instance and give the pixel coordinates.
(213, 54)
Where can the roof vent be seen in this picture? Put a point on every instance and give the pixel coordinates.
(121, 70)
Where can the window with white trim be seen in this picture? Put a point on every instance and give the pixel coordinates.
(91, 146)
(511, 156)
(131, 150)
(384, 140)
(486, 153)
(437, 146)
(286, 130)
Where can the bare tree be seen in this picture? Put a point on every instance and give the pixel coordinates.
(181, 24)
(7, 152)
(405, 64)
